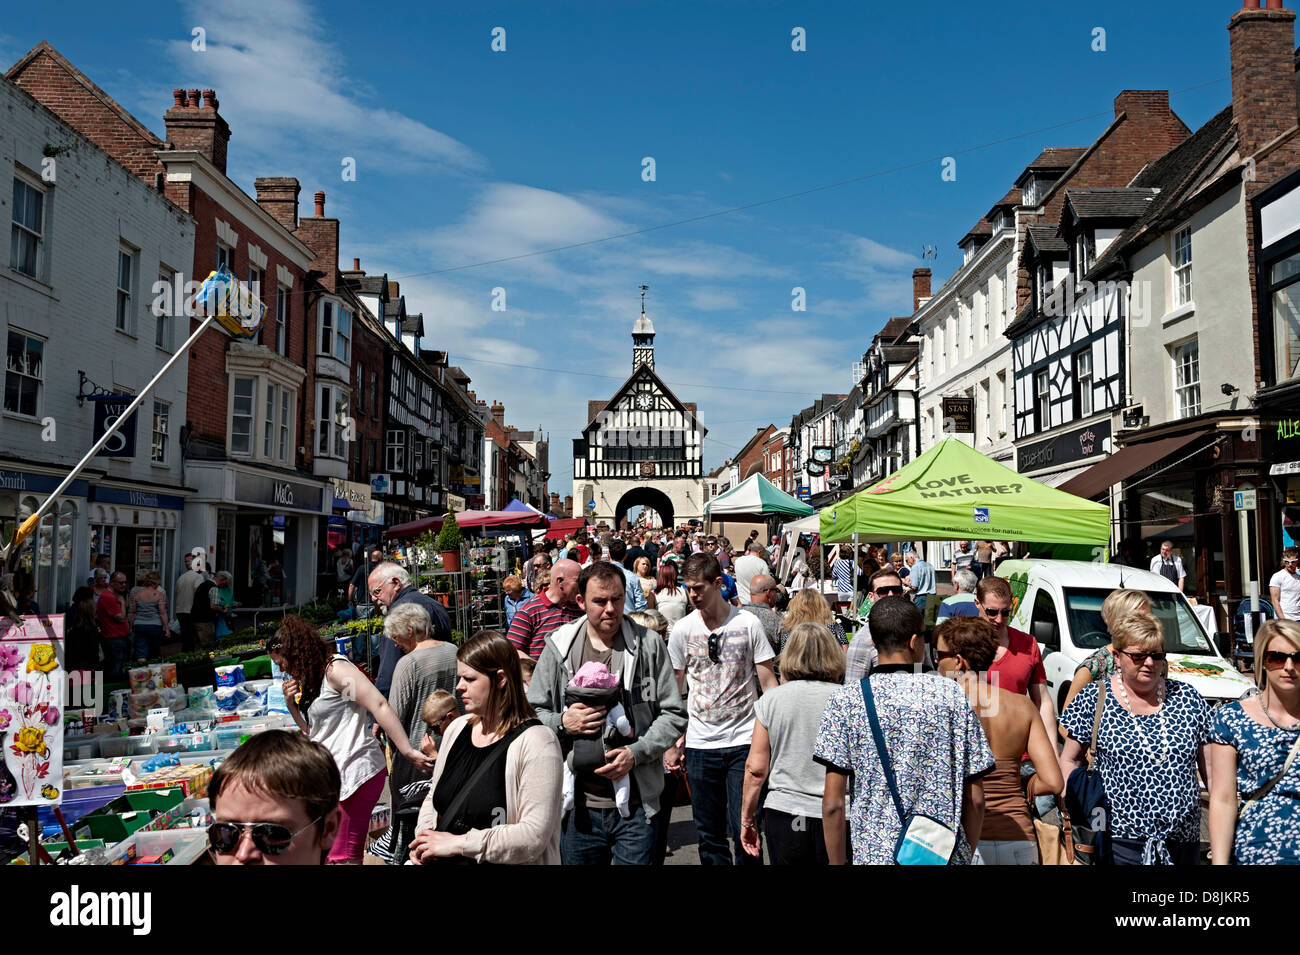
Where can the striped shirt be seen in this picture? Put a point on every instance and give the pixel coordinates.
(536, 620)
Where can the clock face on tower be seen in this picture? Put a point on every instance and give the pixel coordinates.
(643, 401)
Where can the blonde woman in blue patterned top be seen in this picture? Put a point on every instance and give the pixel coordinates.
(1151, 741)
(1252, 740)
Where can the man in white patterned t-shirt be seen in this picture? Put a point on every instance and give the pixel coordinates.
(717, 650)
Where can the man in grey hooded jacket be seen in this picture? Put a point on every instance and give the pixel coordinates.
(594, 831)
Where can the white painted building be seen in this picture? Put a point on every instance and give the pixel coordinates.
(88, 242)
(964, 353)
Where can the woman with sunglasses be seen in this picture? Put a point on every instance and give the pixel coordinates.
(964, 648)
(1253, 755)
(495, 796)
(275, 801)
(1151, 741)
(337, 704)
(1100, 664)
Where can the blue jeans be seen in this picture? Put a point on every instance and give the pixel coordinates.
(148, 642)
(717, 777)
(603, 837)
(115, 653)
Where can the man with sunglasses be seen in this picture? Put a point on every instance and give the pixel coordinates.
(1018, 664)
(717, 651)
(1284, 586)
(390, 586)
(861, 657)
(275, 801)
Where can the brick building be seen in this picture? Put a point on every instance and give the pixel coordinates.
(246, 443)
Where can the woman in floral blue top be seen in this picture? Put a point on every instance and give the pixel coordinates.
(1253, 739)
(1151, 741)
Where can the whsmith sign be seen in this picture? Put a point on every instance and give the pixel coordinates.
(1064, 448)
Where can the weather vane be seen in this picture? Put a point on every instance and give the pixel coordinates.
(644, 289)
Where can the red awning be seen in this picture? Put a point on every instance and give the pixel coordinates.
(564, 526)
(468, 520)
(1124, 464)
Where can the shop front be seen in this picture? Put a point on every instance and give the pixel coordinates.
(138, 529)
(1058, 459)
(56, 554)
(261, 527)
(340, 532)
(1281, 522)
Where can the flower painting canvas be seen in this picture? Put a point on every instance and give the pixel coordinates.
(31, 711)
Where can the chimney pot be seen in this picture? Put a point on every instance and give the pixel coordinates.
(210, 99)
(179, 97)
(1273, 4)
(356, 265)
(1250, 4)
(194, 99)
(320, 204)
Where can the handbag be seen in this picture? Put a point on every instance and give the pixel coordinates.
(923, 840)
(1085, 801)
(1267, 788)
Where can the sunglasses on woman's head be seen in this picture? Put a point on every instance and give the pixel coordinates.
(271, 838)
(1276, 659)
(1141, 658)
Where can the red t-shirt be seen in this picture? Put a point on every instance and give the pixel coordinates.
(1020, 667)
(105, 609)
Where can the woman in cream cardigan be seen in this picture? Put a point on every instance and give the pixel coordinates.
(495, 795)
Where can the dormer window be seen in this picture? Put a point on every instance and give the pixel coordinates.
(1036, 189)
(1084, 254)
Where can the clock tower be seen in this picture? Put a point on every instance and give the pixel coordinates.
(643, 338)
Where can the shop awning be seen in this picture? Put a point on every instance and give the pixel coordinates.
(1124, 464)
(469, 520)
(1061, 478)
(562, 527)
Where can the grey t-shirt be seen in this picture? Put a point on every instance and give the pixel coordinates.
(792, 714)
(415, 677)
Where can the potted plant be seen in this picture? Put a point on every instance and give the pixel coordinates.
(450, 540)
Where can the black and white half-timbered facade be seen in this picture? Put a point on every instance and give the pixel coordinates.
(1067, 359)
(644, 446)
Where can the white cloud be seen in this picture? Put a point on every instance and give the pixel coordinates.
(713, 299)
(283, 87)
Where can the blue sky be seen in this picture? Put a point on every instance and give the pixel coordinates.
(465, 155)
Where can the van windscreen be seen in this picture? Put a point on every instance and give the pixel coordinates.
(1182, 631)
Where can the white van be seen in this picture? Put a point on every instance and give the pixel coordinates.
(1059, 602)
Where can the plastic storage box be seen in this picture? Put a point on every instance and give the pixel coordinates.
(186, 845)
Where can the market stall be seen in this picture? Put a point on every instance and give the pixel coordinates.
(952, 492)
(753, 504)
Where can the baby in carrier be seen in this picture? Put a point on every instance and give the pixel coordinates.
(593, 685)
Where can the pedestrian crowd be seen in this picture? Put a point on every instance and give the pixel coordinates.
(571, 737)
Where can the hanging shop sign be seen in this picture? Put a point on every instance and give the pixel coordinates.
(108, 408)
(959, 415)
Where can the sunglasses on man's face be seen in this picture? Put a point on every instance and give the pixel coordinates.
(996, 612)
(1276, 659)
(895, 591)
(271, 838)
(943, 654)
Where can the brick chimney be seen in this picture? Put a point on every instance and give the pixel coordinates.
(321, 235)
(1261, 45)
(195, 124)
(499, 414)
(920, 287)
(555, 500)
(278, 195)
(568, 504)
